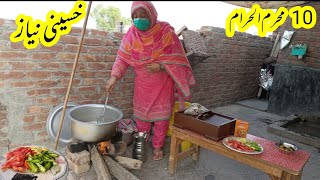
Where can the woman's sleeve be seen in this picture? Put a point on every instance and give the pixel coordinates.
(119, 68)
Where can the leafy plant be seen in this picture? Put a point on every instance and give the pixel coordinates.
(107, 18)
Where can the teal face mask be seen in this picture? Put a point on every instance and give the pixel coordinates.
(141, 23)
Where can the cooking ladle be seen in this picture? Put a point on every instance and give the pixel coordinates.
(104, 109)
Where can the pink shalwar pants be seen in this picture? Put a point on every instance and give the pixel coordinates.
(160, 129)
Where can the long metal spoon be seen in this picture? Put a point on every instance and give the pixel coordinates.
(104, 109)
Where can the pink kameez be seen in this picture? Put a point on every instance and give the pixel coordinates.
(154, 93)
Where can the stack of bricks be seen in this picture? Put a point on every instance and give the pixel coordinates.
(195, 46)
(79, 162)
(194, 42)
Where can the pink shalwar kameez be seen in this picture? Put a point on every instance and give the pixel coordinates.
(154, 98)
(152, 101)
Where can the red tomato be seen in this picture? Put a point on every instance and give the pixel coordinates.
(6, 165)
(26, 164)
(239, 145)
(17, 163)
(20, 169)
(20, 150)
(16, 159)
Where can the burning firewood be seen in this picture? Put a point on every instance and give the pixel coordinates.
(104, 147)
(118, 171)
(99, 165)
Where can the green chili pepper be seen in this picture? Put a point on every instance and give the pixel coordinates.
(34, 160)
(33, 167)
(48, 165)
(54, 155)
(49, 160)
(36, 156)
(41, 168)
(47, 157)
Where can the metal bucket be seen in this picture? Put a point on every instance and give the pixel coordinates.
(84, 124)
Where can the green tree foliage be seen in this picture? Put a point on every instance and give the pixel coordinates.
(107, 18)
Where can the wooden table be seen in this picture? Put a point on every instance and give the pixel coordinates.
(276, 164)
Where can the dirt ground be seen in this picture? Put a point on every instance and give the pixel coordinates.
(214, 166)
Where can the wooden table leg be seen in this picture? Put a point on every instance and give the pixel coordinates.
(174, 149)
(285, 176)
(272, 177)
(195, 155)
(288, 176)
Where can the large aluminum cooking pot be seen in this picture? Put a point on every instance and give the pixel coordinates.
(84, 124)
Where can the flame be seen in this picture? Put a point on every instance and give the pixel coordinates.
(104, 146)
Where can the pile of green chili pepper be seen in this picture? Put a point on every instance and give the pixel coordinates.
(43, 161)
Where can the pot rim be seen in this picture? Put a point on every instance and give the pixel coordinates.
(95, 105)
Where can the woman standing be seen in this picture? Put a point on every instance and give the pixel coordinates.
(161, 68)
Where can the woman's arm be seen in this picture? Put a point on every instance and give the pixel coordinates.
(119, 68)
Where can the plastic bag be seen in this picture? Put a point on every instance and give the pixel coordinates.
(127, 126)
(195, 109)
(266, 79)
(286, 38)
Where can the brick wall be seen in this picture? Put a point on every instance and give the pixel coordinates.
(232, 71)
(33, 82)
(311, 37)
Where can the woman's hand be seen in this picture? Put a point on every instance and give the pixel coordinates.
(154, 67)
(111, 83)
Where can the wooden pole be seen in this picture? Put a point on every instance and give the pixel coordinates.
(72, 75)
